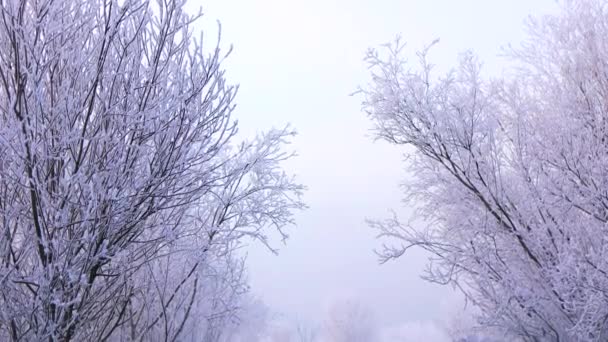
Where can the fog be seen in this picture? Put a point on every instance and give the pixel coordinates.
(298, 62)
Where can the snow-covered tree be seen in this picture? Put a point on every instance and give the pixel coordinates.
(123, 193)
(349, 321)
(304, 332)
(509, 175)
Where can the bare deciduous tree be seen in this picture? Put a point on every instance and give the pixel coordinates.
(350, 321)
(509, 175)
(122, 191)
(305, 333)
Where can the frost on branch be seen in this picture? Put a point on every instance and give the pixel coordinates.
(123, 193)
(508, 175)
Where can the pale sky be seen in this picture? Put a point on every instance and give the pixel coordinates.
(297, 62)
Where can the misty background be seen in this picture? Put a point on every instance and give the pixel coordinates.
(297, 62)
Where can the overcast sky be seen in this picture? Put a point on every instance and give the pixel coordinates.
(297, 61)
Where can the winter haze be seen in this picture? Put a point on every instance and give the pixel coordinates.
(304, 170)
(297, 62)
